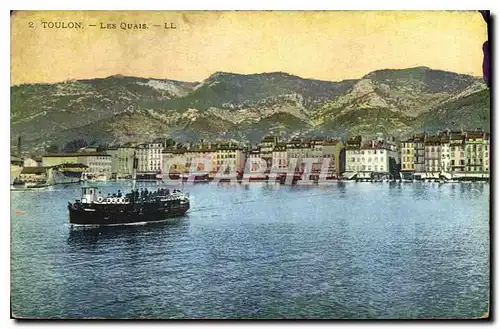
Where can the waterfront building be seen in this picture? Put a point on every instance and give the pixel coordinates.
(486, 156)
(297, 151)
(266, 149)
(125, 157)
(457, 152)
(419, 153)
(408, 155)
(113, 153)
(231, 155)
(98, 163)
(432, 156)
(279, 158)
(474, 151)
(201, 158)
(379, 156)
(334, 150)
(50, 160)
(315, 152)
(254, 161)
(122, 160)
(445, 152)
(34, 175)
(149, 158)
(373, 157)
(174, 160)
(352, 161)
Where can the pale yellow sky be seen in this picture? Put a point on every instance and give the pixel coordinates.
(328, 45)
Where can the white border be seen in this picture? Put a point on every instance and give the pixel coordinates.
(192, 5)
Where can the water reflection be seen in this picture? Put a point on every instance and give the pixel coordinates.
(91, 237)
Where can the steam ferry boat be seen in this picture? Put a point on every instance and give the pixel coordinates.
(135, 207)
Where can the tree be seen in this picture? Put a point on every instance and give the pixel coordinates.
(74, 145)
(52, 148)
(169, 142)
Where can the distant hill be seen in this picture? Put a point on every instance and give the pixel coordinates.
(246, 107)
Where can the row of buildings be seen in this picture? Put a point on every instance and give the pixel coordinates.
(462, 153)
(459, 153)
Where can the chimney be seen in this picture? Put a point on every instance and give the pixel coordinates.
(19, 146)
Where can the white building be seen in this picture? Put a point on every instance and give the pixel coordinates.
(98, 163)
(486, 158)
(374, 156)
(445, 154)
(149, 158)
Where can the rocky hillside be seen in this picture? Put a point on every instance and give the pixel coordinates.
(246, 107)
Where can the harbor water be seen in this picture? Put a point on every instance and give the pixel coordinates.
(340, 250)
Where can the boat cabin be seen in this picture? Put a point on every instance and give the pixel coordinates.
(89, 194)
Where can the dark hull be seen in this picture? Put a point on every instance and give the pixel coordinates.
(122, 215)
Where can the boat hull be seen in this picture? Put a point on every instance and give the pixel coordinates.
(123, 216)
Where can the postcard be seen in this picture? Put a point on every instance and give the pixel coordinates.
(250, 165)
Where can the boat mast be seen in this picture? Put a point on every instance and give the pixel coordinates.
(134, 171)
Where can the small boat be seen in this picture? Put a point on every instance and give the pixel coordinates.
(35, 185)
(200, 177)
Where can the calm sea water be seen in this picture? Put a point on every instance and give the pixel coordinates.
(345, 250)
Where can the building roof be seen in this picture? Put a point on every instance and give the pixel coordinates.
(201, 150)
(175, 151)
(332, 142)
(476, 134)
(71, 165)
(228, 147)
(149, 145)
(75, 155)
(34, 170)
(456, 136)
(432, 140)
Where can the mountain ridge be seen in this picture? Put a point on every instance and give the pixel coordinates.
(388, 101)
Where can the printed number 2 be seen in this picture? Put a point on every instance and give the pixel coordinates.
(31, 24)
